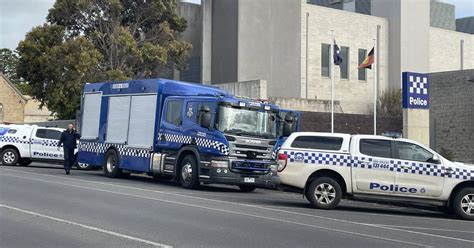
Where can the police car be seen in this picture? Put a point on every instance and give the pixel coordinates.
(22, 144)
(328, 167)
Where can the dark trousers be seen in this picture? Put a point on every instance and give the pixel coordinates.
(69, 159)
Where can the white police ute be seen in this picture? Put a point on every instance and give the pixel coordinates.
(22, 144)
(328, 167)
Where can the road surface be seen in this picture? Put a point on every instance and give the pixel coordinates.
(40, 206)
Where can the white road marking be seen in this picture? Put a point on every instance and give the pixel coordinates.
(256, 206)
(86, 226)
(427, 228)
(228, 211)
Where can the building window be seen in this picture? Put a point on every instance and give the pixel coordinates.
(1, 113)
(362, 73)
(325, 64)
(345, 62)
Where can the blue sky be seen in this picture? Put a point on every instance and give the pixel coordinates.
(19, 16)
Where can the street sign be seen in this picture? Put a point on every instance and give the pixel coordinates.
(416, 93)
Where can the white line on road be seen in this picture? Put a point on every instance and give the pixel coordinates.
(427, 228)
(229, 212)
(86, 226)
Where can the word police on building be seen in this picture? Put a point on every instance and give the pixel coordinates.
(415, 90)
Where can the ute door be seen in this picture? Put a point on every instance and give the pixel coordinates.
(416, 171)
(372, 168)
(44, 144)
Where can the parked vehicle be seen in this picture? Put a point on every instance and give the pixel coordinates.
(191, 132)
(328, 167)
(23, 144)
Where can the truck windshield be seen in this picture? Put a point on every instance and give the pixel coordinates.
(247, 122)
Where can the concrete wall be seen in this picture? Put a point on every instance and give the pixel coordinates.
(269, 44)
(445, 50)
(452, 113)
(442, 15)
(465, 25)
(12, 102)
(353, 30)
(193, 34)
(256, 89)
(224, 41)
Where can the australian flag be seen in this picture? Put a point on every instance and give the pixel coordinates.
(337, 56)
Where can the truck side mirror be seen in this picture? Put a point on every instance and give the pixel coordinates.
(288, 125)
(205, 116)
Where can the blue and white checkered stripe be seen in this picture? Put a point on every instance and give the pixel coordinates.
(201, 142)
(97, 147)
(346, 160)
(17, 140)
(320, 158)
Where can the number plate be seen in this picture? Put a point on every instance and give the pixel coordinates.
(249, 179)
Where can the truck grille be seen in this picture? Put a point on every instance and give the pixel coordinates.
(259, 149)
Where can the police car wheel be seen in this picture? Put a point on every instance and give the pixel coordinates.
(189, 173)
(10, 157)
(324, 193)
(247, 188)
(463, 204)
(111, 163)
(82, 166)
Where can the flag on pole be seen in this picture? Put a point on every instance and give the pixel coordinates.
(337, 56)
(368, 61)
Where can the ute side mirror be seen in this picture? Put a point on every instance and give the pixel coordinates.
(435, 159)
(205, 116)
(288, 125)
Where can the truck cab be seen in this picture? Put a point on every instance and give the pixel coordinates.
(328, 167)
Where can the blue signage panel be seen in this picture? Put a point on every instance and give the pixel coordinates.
(416, 91)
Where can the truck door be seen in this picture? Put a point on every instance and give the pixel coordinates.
(372, 171)
(415, 172)
(44, 144)
(171, 133)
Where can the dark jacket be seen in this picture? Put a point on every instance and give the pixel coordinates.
(69, 139)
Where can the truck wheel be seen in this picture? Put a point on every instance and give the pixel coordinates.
(10, 157)
(247, 188)
(324, 193)
(189, 173)
(463, 204)
(111, 164)
(24, 162)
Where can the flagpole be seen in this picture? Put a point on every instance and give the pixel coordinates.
(375, 85)
(332, 80)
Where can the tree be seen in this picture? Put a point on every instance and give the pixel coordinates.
(8, 66)
(390, 103)
(100, 40)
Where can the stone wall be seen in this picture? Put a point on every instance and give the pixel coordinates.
(352, 30)
(452, 113)
(348, 123)
(445, 50)
(12, 102)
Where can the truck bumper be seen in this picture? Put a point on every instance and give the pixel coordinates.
(226, 175)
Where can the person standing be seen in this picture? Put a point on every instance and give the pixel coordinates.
(68, 139)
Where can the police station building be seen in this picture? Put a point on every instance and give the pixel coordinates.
(286, 43)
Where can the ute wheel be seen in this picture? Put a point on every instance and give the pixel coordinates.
(463, 204)
(188, 173)
(10, 157)
(111, 164)
(247, 188)
(24, 162)
(324, 193)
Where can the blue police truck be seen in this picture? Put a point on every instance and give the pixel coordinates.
(189, 132)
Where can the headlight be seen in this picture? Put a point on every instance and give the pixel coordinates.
(273, 167)
(219, 164)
